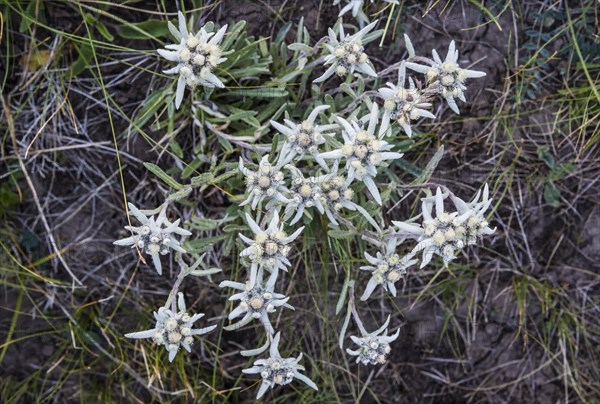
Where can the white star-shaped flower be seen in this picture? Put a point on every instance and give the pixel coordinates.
(266, 182)
(173, 330)
(449, 76)
(304, 138)
(363, 151)
(386, 268)
(154, 236)
(443, 235)
(347, 55)
(277, 370)
(256, 302)
(403, 105)
(476, 224)
(374, 349)
(197, 55)
(269, 248)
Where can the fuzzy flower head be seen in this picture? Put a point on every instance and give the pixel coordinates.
(373, 348)
(443, 235)
(269, 248)
(154, 236)
(173, 329)
(304, 193)
(403, 105)
(363, 151)
(386, 268)
(347, 55)
(256, 302)
(196, 56)
(337, 195)
(304, 138)
(449, 76)
(476, 225)
(277, 370)
(266, 182)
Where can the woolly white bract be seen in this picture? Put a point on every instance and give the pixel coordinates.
(356, 6)
(386, 268)
(269, 248)
(266, 182)
(196, 55)
(277, 370)
(303, 138)
(373, 348)
(403, 105)
(304, 193)
(347, 55)
(256, 302)
(447, 75)
(447, 233)
(153, 237)
(363, 151)
(173, 329)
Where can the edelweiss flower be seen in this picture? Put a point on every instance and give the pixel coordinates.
(270, 248)
(386, 268)
(278, 370)
(197, 56)
(373, 348)
(305, 193)
(304, 138)
(266, 182)
(476, 225)
(448, 74)
(151, 237)
(337, 195)
(347, 55)
(403, 105)
(444, 235)
(357, 9)
(255, 301)
(363, 152)
(173, 330)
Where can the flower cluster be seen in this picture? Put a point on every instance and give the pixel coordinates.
(404, 105)
(373, 348)
(196, 56)
(303, 138)
(151, 237)
(386, 268)
(269, 248)
(278, 370)
(363, 151)
(447, 233)
(447, 76)
(347, 55)
(173, 329)
(312, 169)
(266, 182)
(256, 302)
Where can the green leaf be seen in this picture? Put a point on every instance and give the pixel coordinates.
(430, 167)
(343, 294)
(265, 92)
(156, 170)
(552, 194)
(83, 61)
(104, 31)
(545, 155)
(341, 234)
